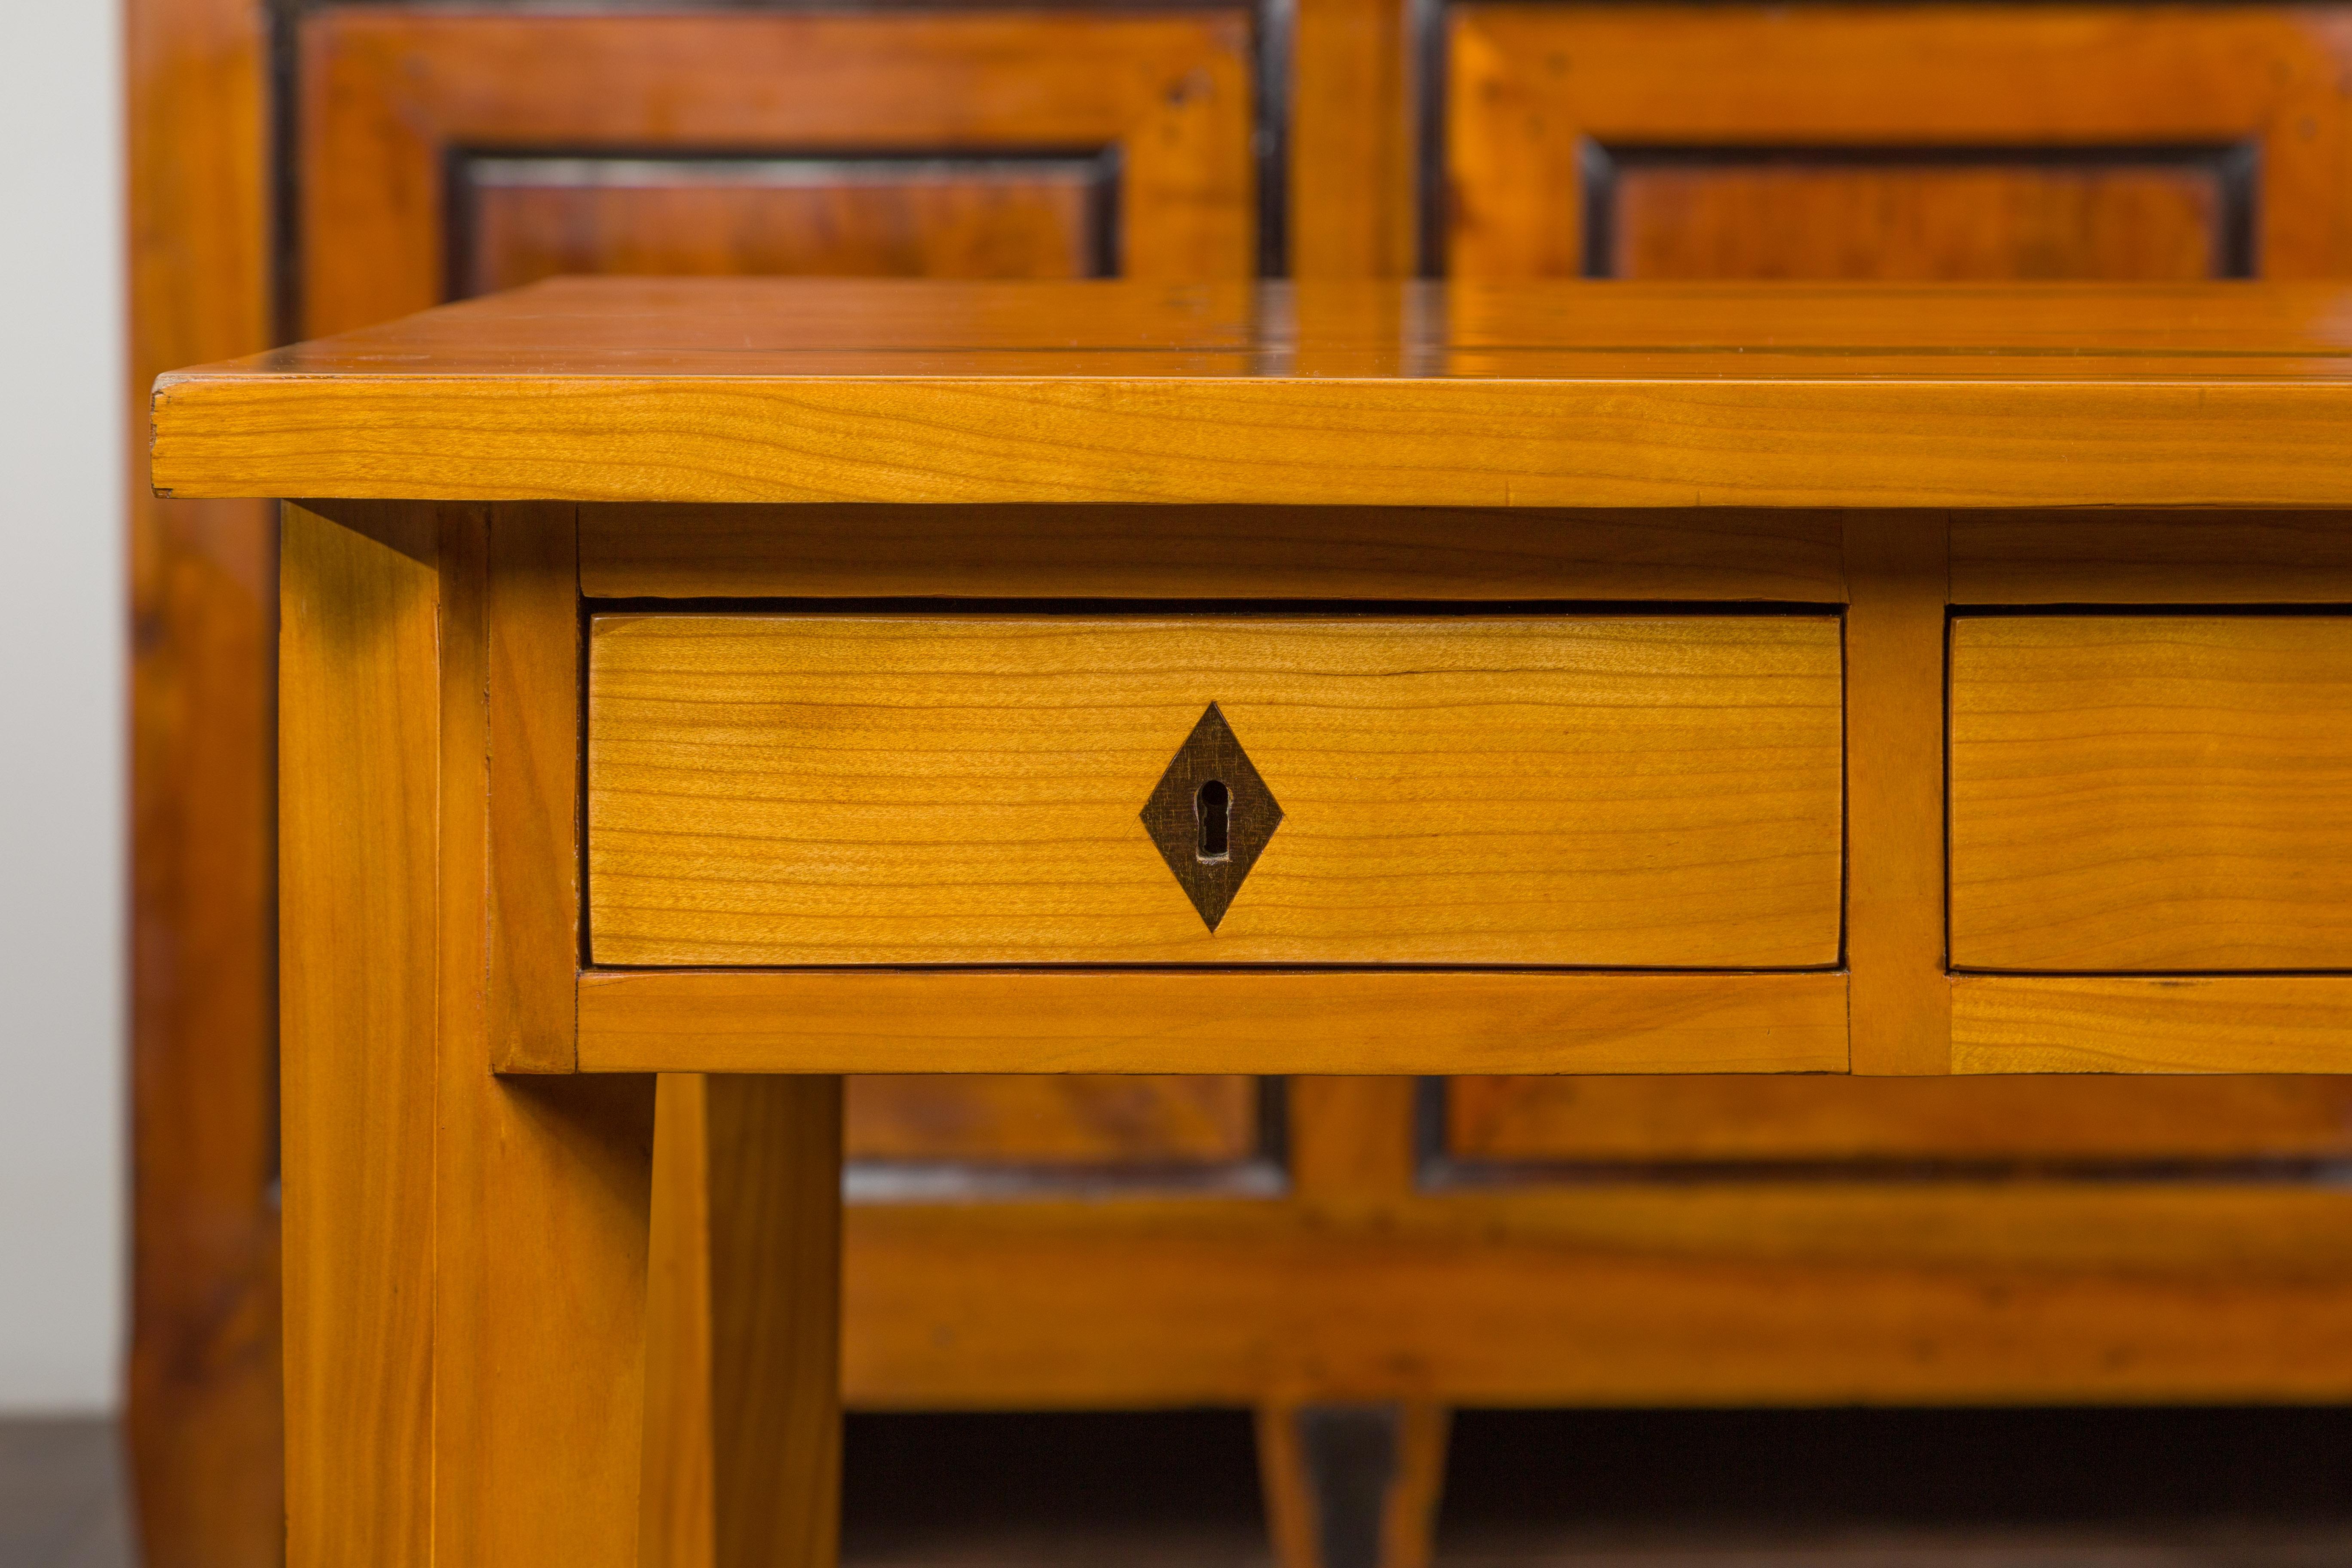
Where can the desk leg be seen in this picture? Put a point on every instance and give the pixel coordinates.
(465, 1254)
(743, 1390)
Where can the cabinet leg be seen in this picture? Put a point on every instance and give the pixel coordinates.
(1352, 1486)
(743, 1377)
(465, 1254)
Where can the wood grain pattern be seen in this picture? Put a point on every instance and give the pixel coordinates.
(540, 1192)
(2151, 792)
(1208, 1021)
(465, 1254)
(679, 221)
(1074, 1120)
(534, 785)
(389, 94)
(1530, 85)
(360, 708)
(723, 390)
(1644, 791)
(1896, 567)
(1206, 552)
(1351, 1140)
(1818, 215)
(1614, 1294)
(1353, 147)
(2151, 558)
(2034, 1122)
(744, 1401)
(2185, 1023)
(203, 1405)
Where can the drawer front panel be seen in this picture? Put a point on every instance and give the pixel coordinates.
(1612, 791)
(2152, 793)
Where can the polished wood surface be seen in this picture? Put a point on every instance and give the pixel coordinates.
(1208, 552)
(2178, 1023)
(1534, 1126)
(1985, 218)
(203, 1408)
(1067, 1122)
(1237, 1020)
(1354, 141)
(534, 725)
(466, 1254)
(360, 720)
(1629, 792)
(1896, 567)
(743, 1396)
(2152, 558)
(2151, 791)
(1616, 1293)
(722, 390)
(397, 101)
(1933, 140)
(641, 217)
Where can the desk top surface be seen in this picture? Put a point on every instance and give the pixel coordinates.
(1554, 395)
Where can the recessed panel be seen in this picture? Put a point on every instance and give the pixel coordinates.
(1929, 218)
(528, 218)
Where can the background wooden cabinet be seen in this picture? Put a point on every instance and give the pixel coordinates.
(444, 156)
(1122, 1242)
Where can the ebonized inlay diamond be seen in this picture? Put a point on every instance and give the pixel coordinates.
(1211, 816)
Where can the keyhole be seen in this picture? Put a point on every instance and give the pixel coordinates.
(1214, 807)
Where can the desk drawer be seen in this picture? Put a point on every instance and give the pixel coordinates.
(1619, 790)
(2152, 793)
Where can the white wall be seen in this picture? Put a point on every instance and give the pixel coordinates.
(61, 707)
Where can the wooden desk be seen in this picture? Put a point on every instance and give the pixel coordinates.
(798, 678)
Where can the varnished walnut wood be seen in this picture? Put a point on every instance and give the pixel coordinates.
(1531, 87)
(1633, 791)
(1207, 553)
(1397, 1021)
(2159, 791)
(727, 390)
(2181, 1023)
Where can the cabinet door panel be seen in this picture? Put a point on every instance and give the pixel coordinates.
(446, 154)
(1897, 143)
(528, 218)
(1927, 141)
(1835, 216)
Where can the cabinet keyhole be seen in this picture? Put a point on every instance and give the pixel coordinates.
(1214, 807)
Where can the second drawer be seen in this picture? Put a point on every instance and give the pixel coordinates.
(1638, 791)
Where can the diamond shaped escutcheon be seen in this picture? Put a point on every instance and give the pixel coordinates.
(1212, 815)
